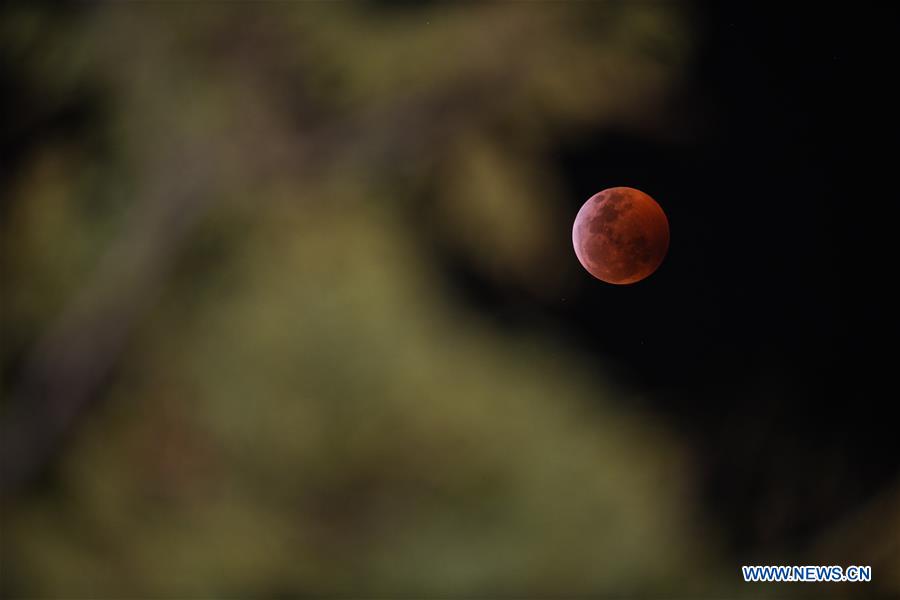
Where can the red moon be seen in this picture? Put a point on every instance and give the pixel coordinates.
(621, 235)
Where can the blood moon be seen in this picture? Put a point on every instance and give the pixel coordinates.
(621, 235)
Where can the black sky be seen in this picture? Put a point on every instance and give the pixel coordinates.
(765, 335)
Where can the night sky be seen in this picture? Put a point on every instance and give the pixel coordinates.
(765, 333)
(767, 338)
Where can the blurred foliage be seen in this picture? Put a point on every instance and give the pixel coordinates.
(300, 405)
